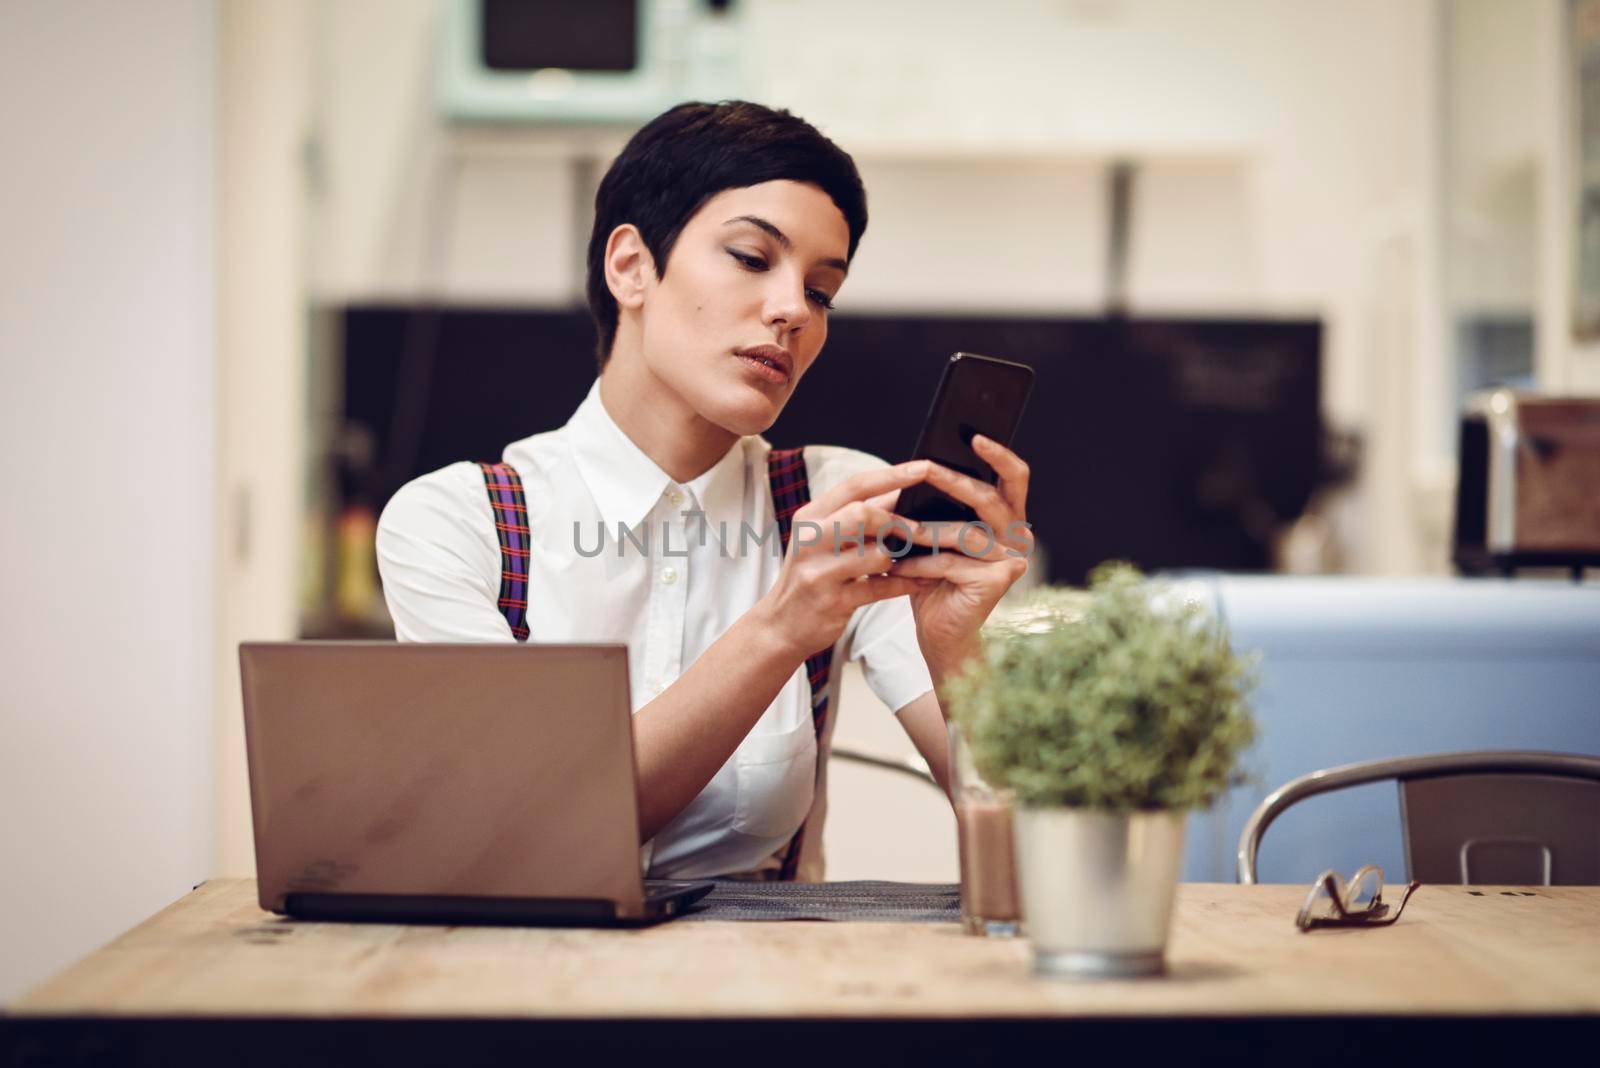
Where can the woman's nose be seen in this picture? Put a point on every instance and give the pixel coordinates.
(786, 304)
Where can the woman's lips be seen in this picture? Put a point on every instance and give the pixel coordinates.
(768, 361)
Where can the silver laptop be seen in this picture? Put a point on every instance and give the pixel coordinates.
(447, 784)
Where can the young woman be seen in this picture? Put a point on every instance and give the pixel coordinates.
(722, 235)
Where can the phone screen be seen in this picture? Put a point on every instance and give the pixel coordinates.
(976, 395)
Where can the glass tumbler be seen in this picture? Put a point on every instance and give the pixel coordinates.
(989, 900)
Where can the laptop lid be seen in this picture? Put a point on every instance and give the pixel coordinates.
(459, 771)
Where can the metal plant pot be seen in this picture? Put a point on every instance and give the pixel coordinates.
(1097, 889)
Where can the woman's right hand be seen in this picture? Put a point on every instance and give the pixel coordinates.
(836, 562)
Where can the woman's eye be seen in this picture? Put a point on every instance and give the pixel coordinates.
(820, 299)
(756, 263)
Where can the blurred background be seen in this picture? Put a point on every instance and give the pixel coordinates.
(263, 261)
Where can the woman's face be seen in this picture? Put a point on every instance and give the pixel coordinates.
(743, 308)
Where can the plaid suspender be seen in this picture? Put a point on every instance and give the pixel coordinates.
(511, 527)
(786, 473)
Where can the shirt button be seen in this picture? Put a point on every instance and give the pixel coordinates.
(674, 497)
(668, 576)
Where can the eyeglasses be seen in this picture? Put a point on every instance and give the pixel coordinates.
(1358, 903)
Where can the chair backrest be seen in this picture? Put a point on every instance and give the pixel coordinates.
(913, 767)
(1507, 818)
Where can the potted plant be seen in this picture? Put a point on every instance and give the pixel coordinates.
(1109, 713)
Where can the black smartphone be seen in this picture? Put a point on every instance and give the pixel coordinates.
(976, 395)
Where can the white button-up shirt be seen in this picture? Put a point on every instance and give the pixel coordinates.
(687, 565)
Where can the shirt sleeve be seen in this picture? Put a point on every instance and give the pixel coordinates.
(891, 659)
(440, 560)
(883, 635)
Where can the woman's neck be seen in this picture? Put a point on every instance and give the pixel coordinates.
(678, 439)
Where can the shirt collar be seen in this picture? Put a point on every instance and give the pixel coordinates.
(720, 493)
(626, 484)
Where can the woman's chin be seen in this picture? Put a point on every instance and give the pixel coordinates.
(748, 410)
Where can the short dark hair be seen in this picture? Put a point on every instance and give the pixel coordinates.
(687, 155)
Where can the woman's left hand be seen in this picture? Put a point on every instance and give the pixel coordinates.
(974, 566)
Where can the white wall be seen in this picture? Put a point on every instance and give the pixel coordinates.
(1511, 183)
(1564, 363)
(1492, 154)
(106, 433)
(263, 87)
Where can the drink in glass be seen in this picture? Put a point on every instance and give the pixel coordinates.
(989, 901)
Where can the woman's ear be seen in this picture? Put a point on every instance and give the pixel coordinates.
(630, 269)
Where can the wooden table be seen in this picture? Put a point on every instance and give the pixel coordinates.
(1473, 973)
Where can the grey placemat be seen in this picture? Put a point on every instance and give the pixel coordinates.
(866, 900)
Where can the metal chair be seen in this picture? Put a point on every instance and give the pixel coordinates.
(914, 766)
(1509, 819)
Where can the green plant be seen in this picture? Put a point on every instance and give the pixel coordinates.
(1118, 698)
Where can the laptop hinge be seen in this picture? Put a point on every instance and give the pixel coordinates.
(428, 908)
